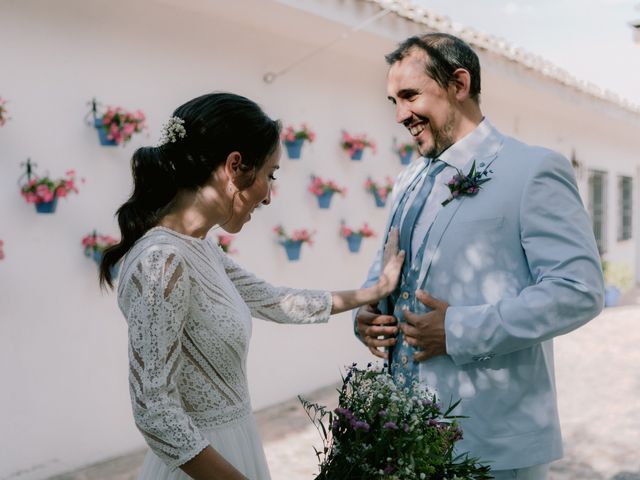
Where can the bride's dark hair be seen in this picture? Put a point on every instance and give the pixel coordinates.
(216, 124)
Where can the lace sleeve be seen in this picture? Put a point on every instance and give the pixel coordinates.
(155, 301)
(278, 304)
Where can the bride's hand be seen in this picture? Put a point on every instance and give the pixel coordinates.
(392, 261)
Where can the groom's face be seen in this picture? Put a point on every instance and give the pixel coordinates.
(422, 105)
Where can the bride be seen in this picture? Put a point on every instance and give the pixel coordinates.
(188, 306)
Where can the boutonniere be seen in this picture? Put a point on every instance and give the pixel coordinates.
(469, 184)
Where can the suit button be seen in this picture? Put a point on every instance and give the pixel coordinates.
(405, 295)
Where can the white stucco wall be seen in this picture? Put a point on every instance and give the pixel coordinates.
(64, 402)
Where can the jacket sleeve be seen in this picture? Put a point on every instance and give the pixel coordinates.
(567, 288)
(155, 302)
(279, 304)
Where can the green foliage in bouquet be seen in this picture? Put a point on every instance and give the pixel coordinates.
(380, 431)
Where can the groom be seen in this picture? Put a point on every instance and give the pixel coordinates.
(500, 261)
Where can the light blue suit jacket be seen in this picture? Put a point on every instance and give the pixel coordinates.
(518, 265)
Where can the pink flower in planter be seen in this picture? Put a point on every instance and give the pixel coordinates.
(30, 197)
(120, 125)
(44, 193)
(365, 231)
(292, 134)
(356, 142)
(319, 187)
(345, 231)
(302, 235)
(128, 129)
(382, 189)
(97, 242)
(224, 242)
(45, 189)
(405, 148)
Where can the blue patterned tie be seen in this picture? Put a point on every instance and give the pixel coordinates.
(402, 366)
(409, 221)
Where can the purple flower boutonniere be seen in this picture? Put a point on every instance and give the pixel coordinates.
(469, 184)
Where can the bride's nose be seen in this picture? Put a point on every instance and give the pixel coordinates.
(267, 199)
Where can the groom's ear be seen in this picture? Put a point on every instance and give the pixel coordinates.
(461, 84)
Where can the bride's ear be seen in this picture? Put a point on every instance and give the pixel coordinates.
(233, 167)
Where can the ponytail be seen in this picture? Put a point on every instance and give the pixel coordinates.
(154, 188)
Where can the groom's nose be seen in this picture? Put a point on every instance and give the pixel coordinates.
(403, 114)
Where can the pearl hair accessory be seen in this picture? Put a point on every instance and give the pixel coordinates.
(172, 131)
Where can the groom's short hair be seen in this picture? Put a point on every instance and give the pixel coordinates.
(445, 54)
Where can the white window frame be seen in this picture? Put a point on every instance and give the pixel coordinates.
(598, 212)
(625, 208)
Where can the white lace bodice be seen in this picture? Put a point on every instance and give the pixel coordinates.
(189, 308)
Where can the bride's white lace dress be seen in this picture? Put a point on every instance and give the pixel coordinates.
(189, 309)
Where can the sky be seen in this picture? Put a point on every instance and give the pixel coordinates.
(591, 39)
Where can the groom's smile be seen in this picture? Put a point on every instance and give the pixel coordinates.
(416, 130)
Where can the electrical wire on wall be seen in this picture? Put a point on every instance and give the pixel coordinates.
(270, 77)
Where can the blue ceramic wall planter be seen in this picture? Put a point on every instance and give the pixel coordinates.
(294, 149)
(292, 248)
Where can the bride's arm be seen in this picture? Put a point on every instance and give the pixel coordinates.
(392, 266)
(290, 305)
(210, 465)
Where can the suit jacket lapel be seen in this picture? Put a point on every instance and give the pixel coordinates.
(486, 154)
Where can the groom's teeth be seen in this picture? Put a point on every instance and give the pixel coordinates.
(416, 129)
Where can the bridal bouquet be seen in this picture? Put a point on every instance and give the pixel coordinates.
(381, 431)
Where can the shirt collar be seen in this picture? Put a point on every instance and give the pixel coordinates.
(459, 154)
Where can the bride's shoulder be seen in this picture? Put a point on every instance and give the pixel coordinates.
(154, 248)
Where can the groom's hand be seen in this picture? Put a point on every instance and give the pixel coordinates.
(426, 331)
(376, 330)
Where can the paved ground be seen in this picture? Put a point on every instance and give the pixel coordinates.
(598, 378)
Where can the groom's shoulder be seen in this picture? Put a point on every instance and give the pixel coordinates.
(532, 155)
